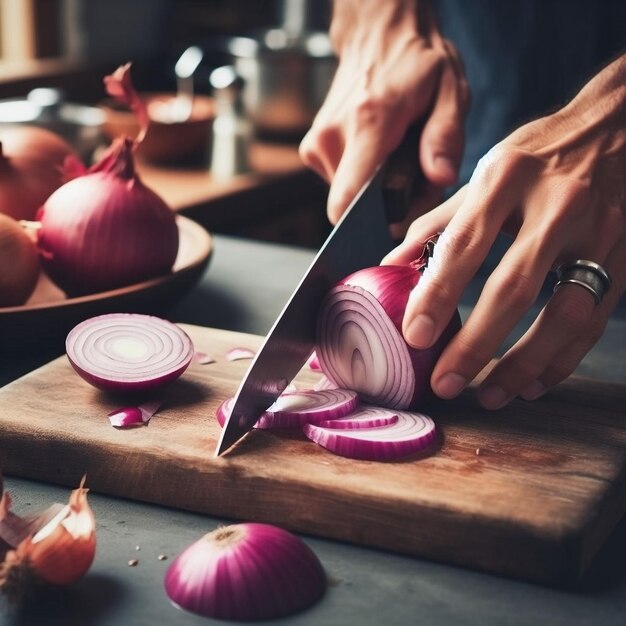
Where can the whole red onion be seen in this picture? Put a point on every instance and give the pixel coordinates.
(106, 229)
(359, 338)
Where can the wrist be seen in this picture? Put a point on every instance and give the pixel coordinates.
(355, 21)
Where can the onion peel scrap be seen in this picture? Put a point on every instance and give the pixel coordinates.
(57, 549)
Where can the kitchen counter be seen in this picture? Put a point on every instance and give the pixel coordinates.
(244, 288)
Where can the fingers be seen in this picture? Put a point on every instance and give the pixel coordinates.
(424, 228)
(565, 331)
(459, 252)
(441, 145)
(507, 295)
(371, 136)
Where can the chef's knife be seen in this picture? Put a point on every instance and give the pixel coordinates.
(360, 239)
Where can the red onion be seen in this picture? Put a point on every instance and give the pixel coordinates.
(106, 229)
(128, 352)
(365, 417)
(410, 433)
(359, 338)
(292, 409)
(32, 165)
(246, 572)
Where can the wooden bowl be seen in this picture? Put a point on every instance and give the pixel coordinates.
(49, 315)
(167, 141)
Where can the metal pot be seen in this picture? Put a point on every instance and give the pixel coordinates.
(286, 78)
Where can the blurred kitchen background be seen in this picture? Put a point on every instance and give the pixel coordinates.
(255, 70)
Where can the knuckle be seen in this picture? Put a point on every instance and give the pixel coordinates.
(516, 289)
(469, 354)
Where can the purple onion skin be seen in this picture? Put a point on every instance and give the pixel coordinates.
(101, 231)
(391, 285)
(128, 387)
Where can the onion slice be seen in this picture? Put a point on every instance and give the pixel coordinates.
(365, 417)
(128, 352)
(238, 354)
(410, 433)
(293, 409)
(133, 415)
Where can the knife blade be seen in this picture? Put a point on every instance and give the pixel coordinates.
(360, 239)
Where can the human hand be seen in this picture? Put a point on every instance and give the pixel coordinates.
(558, 185)
(394, 69)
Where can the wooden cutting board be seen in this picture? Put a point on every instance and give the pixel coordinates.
(531, 491)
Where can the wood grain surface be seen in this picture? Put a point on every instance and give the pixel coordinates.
(530, 491)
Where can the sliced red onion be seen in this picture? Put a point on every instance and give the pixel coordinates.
(237, 354)
(359, 338)
(364, 417)
(411, 433)
(128, 352)
(291, 410)
(133, 415)
(246, 572)
(224, 410)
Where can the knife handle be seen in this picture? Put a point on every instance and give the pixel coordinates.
(402, 175)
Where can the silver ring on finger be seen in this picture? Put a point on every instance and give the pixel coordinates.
(587, 274)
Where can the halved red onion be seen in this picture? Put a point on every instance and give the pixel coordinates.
(359, 338)
(128, 352)
(364, 417)
(246, 572)
(410, 433)
(133, 415)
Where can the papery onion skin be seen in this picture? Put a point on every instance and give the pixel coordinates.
(19, 263)
(246, 572)
(376, 295)
(89, 341)
(59, 551)
(106, 229)
(32, 166)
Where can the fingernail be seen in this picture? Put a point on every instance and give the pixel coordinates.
(493, 397)
(450, 385)
(533, 391)
(421, 331)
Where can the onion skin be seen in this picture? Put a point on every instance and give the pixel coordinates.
(32, 166)
(246, 572)
(19, 263)
(379, 292)
(106, 229)
(57, 547)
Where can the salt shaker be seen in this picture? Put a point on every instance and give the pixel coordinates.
(232, 131)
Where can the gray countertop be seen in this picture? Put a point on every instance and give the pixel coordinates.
(244, 288)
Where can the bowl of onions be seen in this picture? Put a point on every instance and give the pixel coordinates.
(174, 134)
